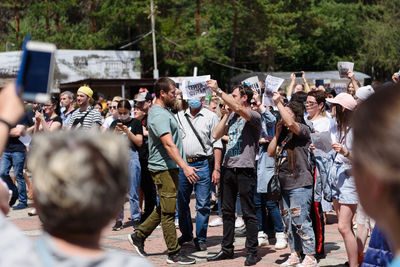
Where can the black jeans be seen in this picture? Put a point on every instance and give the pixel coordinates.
(242, 181)
(149, 190)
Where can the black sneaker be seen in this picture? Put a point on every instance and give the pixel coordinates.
(180, 258)
(200, 246)
(117, 226)
(137, 243)
(135, 224)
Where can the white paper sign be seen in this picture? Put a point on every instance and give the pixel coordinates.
(195, 87)
(344, 68)
(272, 84)
(254, 83)
(26, 140)
(322, 142)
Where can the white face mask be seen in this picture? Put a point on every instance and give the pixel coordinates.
(124, 117)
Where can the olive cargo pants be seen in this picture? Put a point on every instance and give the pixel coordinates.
(166, 182)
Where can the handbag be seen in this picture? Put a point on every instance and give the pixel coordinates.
(274, 190)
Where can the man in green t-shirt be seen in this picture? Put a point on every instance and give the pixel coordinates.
(166, 156)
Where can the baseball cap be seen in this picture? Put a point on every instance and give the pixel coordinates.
(144, 96)
(86, 90)
(364, 92)
(343, 99)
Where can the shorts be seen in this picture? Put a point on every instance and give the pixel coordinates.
(344, 187)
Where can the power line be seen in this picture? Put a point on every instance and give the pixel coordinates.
(137, 40)
(227, 66)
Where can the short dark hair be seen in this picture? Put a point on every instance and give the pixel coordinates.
(244, 90)
(124, 104)
(318, 95)
(163, 84)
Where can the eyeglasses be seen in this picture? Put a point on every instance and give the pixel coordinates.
(253, 103)
(310, 103)
(113, 107)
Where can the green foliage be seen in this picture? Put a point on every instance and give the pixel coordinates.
(260, 35)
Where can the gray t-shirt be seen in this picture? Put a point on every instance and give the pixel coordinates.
(19, 250)
(161, 121)
(300, 175)
(243, 141)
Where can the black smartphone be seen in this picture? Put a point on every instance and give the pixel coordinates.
(298, 74)
(35, 75)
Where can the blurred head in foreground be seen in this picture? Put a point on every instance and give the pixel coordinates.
(80, 181)
(376, 159)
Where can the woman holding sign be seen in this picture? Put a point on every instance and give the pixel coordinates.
(290, 147)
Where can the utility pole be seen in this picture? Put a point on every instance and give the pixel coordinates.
(153, 34)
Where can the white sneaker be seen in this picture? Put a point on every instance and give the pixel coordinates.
(239, 223)
(293, 260)
(308, 262)
(281, 242)
(262, 239)
(216, 222)
(176, 223)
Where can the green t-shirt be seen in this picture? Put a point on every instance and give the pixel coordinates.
(161, 121)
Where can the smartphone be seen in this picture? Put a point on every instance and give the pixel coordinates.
(35, 75)
(39, 108)
(298, 74)
(119, 124)
(319, 82)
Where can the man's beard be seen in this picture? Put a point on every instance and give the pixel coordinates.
(175, 105)
(171, 103)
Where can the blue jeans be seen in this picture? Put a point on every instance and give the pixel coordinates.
(296, 215)
(260, 202)
(203, 194)
(15, 160)
(134, 184)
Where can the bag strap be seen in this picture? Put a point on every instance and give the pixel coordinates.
(278, 157)
(196, 133)
(81, 119)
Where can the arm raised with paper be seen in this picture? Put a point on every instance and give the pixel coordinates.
(288, 117)
(237, 102)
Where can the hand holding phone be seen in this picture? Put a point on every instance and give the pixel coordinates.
(298, 74)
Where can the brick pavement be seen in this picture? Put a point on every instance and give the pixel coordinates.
(155, 246)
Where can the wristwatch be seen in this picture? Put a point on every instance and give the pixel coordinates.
(219, 92)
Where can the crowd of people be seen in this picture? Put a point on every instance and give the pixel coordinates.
(275, 169)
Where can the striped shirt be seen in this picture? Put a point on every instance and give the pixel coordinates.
(204, 122)
(92, 119)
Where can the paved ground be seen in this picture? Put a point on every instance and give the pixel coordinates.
(155, 246)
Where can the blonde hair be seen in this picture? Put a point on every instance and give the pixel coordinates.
(80, 179)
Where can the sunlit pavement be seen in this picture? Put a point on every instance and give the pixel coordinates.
(155, 246)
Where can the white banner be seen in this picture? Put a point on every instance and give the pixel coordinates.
(76, 65)
(195, 87)
(272, 84)
(344, 68)
(254, 83)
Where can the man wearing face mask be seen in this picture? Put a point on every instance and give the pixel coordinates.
(197, 125)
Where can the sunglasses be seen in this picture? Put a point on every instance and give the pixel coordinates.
(113, 107)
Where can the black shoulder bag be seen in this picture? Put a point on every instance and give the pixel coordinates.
(274, 190)
(80, 120)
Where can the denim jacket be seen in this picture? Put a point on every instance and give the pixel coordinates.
(266, 165)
